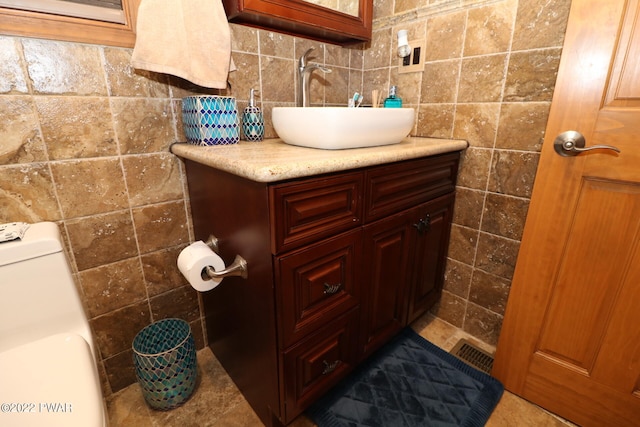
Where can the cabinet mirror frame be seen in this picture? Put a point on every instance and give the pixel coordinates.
(26, 23)
(301, 18)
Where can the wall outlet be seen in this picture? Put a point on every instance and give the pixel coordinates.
(415, 61)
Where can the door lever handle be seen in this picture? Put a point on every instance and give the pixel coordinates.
(572, 143)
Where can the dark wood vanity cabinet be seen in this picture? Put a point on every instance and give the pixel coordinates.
(338, 264)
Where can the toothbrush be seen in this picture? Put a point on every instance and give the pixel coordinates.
(354, 100)
(359, 101)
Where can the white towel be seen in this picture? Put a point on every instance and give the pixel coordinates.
(186, 38)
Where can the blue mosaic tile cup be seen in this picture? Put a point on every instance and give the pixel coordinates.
(210, 120)
(164, 355)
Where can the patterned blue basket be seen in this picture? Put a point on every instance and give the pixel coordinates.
(164, 356)
(210, 120)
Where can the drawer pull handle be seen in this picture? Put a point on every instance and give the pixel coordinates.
(331, 289)
(329, 367)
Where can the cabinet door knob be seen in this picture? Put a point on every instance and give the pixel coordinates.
(424, 224)
(331, 289)
(329, 367)
(427, 222)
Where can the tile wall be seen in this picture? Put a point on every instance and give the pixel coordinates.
(84, 142)
(489, 77)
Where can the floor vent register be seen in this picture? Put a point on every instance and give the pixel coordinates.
(472, 355)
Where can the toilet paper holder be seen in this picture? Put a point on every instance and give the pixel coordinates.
(237, 268)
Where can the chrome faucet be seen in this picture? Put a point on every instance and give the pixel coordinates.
(304, 76)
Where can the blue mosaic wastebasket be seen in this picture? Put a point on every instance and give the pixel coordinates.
(164, 355)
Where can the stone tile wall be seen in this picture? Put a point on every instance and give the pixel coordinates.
(84, 142)
(489, 77)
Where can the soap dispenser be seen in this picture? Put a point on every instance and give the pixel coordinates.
(393, 101)
(253, 120)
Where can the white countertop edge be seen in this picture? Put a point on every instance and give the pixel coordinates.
(273, 160)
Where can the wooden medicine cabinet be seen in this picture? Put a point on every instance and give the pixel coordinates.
(341, 22)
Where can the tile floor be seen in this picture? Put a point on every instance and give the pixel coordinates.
(217, 401)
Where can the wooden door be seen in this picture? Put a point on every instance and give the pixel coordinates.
(570, 340)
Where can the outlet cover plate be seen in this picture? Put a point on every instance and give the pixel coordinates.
(415, 61)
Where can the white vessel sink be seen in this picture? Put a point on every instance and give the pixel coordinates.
(336, 128)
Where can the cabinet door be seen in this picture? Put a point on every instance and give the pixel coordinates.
(429, 243)
(406, 256)
(385, 277)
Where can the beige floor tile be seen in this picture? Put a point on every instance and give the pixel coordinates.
(240, 416)
(215, 396)
(514, 411)
(218, 402)
(435, 330)
(128, 408)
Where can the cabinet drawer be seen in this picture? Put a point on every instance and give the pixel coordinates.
(317, 284)
(317, 363)
(310, 210)
(392, 188)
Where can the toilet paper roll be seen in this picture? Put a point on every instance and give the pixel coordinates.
(193, 259)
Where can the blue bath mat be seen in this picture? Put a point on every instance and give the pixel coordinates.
(409, 382)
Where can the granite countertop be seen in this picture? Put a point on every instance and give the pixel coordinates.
(273, 160)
